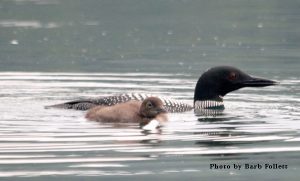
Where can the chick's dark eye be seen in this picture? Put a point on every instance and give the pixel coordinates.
(149, 105)
(232, 76)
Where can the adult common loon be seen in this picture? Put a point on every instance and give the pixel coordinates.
(148, 113)
(210, 89)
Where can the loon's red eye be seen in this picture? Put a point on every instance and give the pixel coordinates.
(232, 76)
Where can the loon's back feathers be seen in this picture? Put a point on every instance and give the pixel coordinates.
(212, 85)
(170, 105)
(82, 104)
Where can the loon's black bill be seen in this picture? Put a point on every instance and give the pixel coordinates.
(258, 82)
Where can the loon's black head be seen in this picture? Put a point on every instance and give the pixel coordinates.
(216, 82)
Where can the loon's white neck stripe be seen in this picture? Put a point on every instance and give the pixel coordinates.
(207, 104)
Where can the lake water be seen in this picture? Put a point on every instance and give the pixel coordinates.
(55, 51)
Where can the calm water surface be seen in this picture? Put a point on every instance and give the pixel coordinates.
(56, 51)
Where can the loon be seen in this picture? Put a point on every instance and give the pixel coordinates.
(149, 113)
(210, 89)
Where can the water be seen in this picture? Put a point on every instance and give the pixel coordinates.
(56, 51)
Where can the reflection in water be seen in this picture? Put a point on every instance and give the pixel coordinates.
(209, 112)
(214, 119)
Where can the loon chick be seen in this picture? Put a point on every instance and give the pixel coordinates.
(149, 113)
(210, 89)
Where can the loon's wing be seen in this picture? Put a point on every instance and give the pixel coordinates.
(84, 104)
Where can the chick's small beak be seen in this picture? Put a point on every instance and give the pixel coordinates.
(161, 110)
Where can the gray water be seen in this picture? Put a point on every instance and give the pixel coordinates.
(56, 51)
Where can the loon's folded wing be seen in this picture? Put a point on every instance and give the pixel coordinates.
(84, 104)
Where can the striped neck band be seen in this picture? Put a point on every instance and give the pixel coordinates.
(209, 104)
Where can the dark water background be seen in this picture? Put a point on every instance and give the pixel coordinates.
(52, 51)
